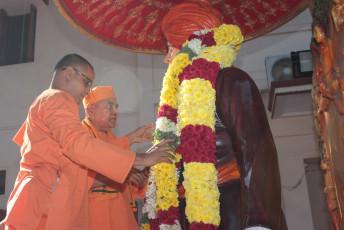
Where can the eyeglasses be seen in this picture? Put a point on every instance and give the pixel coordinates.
(111, 106)
(89, 81)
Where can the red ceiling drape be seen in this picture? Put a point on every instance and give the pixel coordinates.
(134, 25)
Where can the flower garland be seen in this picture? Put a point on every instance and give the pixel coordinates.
(161, 199)
(187, 114)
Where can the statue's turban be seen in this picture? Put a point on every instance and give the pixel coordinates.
(185, 18)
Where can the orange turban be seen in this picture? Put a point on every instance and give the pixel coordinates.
(97, 94)
(186, 18)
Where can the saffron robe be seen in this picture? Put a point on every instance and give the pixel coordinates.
(110, 207)
(51, 188)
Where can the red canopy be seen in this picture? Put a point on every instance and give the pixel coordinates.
(134, 25)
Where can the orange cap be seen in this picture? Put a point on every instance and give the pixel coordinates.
(97, 94)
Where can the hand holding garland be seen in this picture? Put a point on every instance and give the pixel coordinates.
(156, 154)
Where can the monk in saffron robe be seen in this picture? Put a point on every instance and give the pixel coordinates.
(249, 179)
(51, 188)
(111, 204)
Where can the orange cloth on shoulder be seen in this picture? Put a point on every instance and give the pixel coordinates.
(97, 94)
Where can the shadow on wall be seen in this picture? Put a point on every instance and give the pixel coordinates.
(2, 214)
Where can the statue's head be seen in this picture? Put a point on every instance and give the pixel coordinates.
(185, 18)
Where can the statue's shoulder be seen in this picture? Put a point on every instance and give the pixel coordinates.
(231, 74)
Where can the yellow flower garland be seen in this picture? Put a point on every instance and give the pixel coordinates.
(195, 100)
(192, 98)
(201, 191)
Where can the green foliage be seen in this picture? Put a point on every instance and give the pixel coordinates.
(188, 51)
(159, 135)
(144, 219)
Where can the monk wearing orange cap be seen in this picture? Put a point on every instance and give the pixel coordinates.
(51, 188)
(111, 204)
(243, 136)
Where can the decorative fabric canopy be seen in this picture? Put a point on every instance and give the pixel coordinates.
(134, 25)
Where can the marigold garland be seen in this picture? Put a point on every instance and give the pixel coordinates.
(192, 108)
(165, 176)
(187, 114)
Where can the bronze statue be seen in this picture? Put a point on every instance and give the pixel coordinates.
(243, 135)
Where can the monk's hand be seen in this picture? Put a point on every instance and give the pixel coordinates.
(138, 177)
(156, 154)
(160, 153)
(142, 134)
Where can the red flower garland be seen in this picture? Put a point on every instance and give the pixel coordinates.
(202, 226)
(154, 224)
(197, 144)
(168, 217)
(201, 68)
(207, 39)
(168, 112)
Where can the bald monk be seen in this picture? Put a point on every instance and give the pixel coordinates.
(50, 191)
(248, 179)
(111, 204)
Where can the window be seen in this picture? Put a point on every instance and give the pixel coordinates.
(17, 37)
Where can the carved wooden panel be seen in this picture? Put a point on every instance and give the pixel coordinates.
(328, 94)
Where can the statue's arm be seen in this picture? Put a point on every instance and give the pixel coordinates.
(241, 108)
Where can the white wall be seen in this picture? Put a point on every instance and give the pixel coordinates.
(294, 35)
(295, 140)
(137, 80)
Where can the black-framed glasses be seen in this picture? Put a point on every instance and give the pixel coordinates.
(89, 81)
